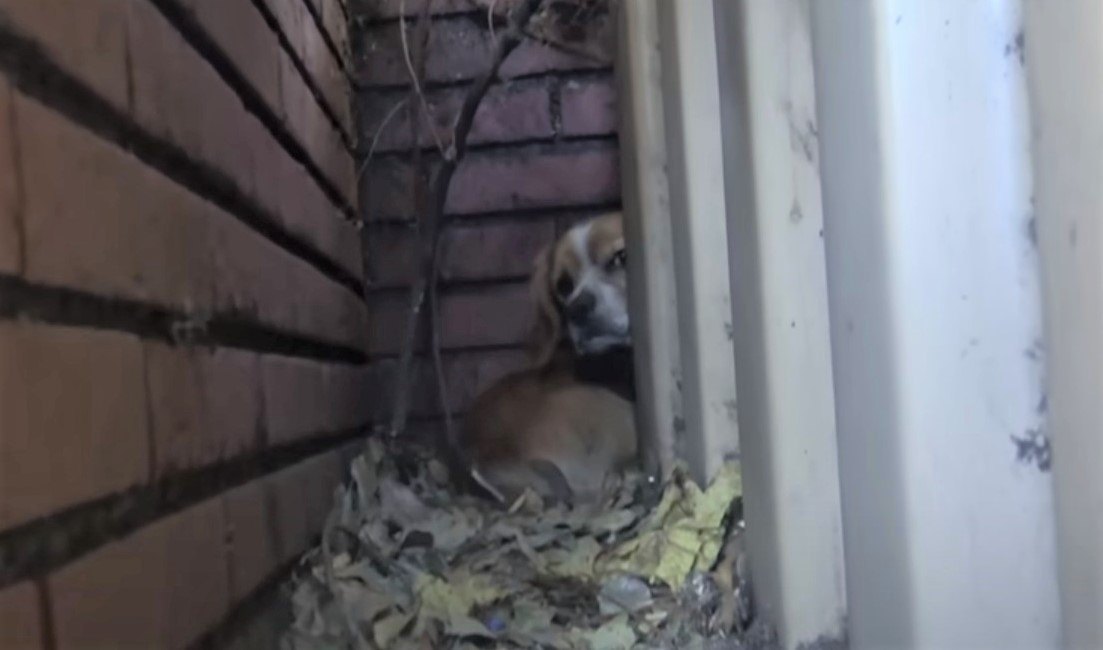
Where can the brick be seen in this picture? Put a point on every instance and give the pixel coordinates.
(161, 587)
(290, 15)
(388, 324)
(300, 498)
(494, 251)
(459, 51)
(252, 536)
(562, 176)
(327, 72)
(314, 132)
(483, 316)
(509, 113)
(145, 242)
(11, 257)
(86, 39)
(205, 405)
(532, 57)
(260, 281)
(181, 98)
(589, 107)
(294, 199)
(294, 397)
(305, 398)
(466, 374)
(386, 9)
(349, 393)
(336, 25)
(232, 397)
(309, 46)
(323, 308)
(496, 316)
(392, 255)
(311, 216)
(535, 178)
(20, 618)
(243, 35)
(485, 251)
(387, 188)
(72, 418)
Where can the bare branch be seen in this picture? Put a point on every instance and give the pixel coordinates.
(433, 224)
(375, 138)
(415, 79)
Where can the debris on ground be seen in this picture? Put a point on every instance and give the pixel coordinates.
(407, 564)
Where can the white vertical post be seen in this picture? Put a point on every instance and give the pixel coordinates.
(935, 324)
(698, 216)
(782, 338)
(1064, 62)
(648, 232)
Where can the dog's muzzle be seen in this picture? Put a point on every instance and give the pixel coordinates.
(591, 329)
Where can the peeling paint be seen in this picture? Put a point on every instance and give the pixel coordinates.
(731, 408)
(796, 215)
(1036, 351)
(1017, 47)
(1043, 405)
(1033, 448)
(802, 139)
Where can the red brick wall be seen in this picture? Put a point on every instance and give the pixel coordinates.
(182, 323)
(544, 154)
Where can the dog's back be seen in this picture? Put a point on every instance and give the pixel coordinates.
(545, 429)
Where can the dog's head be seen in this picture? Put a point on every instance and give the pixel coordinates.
(579, 285)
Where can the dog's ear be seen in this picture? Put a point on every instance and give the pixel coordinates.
(547, 328)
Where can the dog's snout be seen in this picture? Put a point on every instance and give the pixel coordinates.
(581, 305)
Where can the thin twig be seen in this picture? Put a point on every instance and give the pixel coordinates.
(441, 183)
(434, 342)
(375, 138)
(404, 382)
(490, 21)
(414, 77)
(566, 48)
(433, 223)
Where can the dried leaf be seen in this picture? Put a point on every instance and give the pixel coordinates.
(577, 562)
(623, 594)
(399, 504)
(431, 565)
(615, 634)
(363, 603)
(387, 629)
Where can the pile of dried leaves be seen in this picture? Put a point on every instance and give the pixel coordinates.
(408, 564)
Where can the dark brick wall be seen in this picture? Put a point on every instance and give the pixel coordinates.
(544, 154)
(182, 323)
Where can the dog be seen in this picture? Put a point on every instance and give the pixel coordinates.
(565, 424)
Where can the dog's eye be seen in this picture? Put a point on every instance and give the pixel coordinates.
(617, 260)
(564, 285)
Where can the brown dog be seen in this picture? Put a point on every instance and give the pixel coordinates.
(563, 425)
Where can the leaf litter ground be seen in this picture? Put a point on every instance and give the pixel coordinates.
(408, 564)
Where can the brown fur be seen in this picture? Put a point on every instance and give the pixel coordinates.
(543, 427)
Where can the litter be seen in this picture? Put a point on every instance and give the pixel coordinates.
(409, 564)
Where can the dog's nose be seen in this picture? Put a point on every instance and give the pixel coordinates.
(581, 305)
